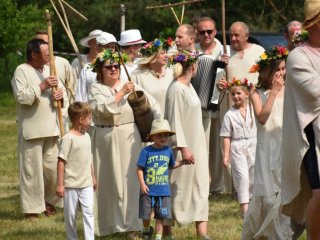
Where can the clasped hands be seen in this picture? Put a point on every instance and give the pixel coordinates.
(51, 82)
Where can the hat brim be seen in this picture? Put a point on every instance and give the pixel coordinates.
(84, 41)
(310, 22)
(123, 44)
(171, 133)
(145, 60)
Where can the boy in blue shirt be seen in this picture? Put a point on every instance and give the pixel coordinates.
(153, 173)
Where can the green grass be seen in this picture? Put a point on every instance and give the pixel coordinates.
(224, 219)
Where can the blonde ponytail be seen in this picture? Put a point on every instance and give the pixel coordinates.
(177, 70)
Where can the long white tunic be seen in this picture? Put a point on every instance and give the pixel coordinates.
(264, 217)
(302, 106)
(116, 146)
(157, 87)
(189, 184)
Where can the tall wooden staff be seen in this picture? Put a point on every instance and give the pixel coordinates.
(56, 104)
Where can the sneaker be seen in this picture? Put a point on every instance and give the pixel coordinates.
(148, 235)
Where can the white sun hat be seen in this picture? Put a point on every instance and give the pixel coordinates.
(92, 35)
(131, 37)
(160, 126)
(105, 38)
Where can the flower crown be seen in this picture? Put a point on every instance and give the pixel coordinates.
(153, 47)
(105, 55)
(240, 82)
(278, 52)
(299, 35)
(186, 57)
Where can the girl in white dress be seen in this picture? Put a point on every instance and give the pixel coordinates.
(264, 219)
(239, 140)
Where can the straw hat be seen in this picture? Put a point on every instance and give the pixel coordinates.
(311, 13)
(105, 38)
(131, 37)
(160, 126)
(92, 35)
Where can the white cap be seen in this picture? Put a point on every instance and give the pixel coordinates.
(105, 38)
(92, 35)
(131, 37)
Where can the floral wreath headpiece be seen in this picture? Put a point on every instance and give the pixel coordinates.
(277, 53)
(105, 55)
(153, 47)
(299, 35)
(186, 57)
(240, 82)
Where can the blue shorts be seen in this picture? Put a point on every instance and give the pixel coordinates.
(310, 161)
(161, 206)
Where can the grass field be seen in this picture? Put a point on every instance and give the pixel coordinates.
(224, 220)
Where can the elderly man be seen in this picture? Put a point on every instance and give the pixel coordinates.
(38, 131)
(185, 38)
(300, 159)
(290, 30)
(242, 54)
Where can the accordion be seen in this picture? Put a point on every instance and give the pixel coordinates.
(204, 82)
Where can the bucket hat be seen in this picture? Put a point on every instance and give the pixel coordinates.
(160, 126)
(311, 13)
(131, 37)
(92, 35)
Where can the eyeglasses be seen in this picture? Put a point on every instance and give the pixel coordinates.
(209, 32)
(109, 67)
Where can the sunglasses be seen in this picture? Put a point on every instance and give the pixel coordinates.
(109, 67)
(209, 32)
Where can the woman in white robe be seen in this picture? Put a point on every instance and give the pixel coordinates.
(264, 219)
(116, 144)
(153, 75)
(190, 185)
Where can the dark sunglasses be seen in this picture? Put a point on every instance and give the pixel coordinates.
(109, 67)
(209, 32)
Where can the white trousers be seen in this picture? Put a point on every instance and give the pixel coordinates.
(72, 198)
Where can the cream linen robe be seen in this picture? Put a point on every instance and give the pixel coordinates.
(66, 81)
(302, 106)
(190, 183)
(157, 87)
(38, 134)
(116, 148)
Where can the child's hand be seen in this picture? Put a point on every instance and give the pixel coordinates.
(95, 185)
(144, 189)
(226, 162)
(277, 82)
(60, 191)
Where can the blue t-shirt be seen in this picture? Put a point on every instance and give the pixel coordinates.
(155, 163)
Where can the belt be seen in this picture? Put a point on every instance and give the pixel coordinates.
(106, 126)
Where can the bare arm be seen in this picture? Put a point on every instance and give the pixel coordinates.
(143, 186)
(226, 151)
(179, 164)
(263, 111)
(60, 177)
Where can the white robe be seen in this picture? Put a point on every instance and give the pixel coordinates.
(189, 184)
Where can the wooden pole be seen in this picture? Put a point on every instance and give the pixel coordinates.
(56, 104)
(69, 34)
(122, 18)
